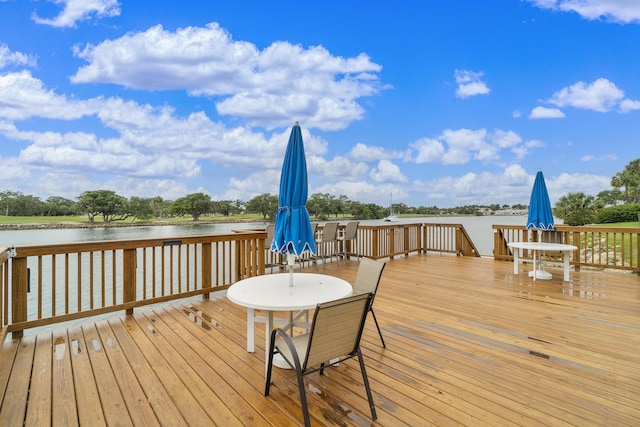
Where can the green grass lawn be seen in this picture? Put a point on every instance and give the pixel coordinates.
(84, 219)
(41, 219)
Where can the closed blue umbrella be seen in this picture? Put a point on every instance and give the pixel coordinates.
(540, 217)
(540, 214)
(293, 234)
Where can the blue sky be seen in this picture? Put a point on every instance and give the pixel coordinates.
(443, 103)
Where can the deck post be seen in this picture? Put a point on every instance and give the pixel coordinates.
(18, 293)
(129, 276)
(207, 281)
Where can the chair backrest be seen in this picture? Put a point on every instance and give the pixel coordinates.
(368, 276)
(351, 231)
(336, 329)
(330, 231)
(270, 231)
(550, 236)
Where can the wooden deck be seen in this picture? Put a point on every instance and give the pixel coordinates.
(468, 343)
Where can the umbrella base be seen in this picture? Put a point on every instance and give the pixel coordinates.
(540, 274)
(278, 361)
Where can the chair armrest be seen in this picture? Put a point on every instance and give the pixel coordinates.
(292, 348)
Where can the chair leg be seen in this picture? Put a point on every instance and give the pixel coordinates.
(378, 326)
(267, 384)
(365, 380)
(303, 400)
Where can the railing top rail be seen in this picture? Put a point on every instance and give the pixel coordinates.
(102, 245)
(583, 228)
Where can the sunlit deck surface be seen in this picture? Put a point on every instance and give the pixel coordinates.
(468, 343)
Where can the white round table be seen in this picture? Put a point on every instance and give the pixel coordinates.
(272, 293)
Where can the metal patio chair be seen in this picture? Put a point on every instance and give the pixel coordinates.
(334, 337)
(367, 281)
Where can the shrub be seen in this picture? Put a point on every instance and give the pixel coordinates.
(620, 213)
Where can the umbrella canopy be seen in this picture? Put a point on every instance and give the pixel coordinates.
(293, 234)
(540, 213)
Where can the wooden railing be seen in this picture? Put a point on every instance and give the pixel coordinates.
(45, 284)
(598, 247)
(60, 282)
(451, 238)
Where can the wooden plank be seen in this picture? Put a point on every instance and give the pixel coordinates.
(65, 412)
(87, 396)
(39, 409)
(113, 403)
(140, 411)
(153, 345)
(196, 371)
(203, 348)
(148, 376)
(14, 401)
(8, 351)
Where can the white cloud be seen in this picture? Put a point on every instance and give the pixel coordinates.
(470, 84)
(337, 169)
(429, 150)
(601, 95)
(146, 142)
(618, 11)
(365, 153)
(256, 183)
(269, 88)
(79, 10)
(462, 145)
(627, 105)
(521, 151)
(513, 185)
(387, 171)
(506, 139)
(546, 113)
(606, 157)
(7, 58)
(465, 143)
(23, 96)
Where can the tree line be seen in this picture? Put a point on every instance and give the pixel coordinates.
(619, 204)
(110, 206)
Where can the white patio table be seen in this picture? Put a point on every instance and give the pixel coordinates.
(272, 293)
(541, 247)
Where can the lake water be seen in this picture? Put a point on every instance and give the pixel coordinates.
(479, 229)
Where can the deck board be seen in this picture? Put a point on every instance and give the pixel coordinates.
(468, 343)
(87, 397)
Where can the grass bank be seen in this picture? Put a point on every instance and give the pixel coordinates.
(25, 222)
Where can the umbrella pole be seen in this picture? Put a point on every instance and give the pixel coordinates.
(291, 259)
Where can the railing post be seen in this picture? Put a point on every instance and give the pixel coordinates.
(207, 274)
(262, 248)
(129, 276)
(375, 247)
(18, 293)
(406, 241)
(576, 254)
